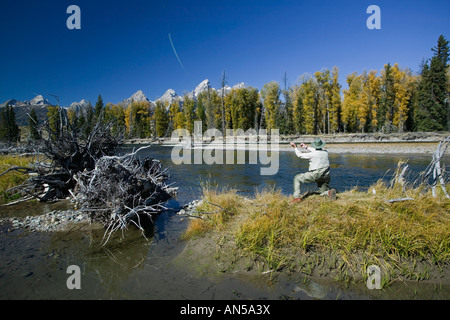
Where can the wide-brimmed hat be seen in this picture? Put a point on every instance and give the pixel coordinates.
(318, 143)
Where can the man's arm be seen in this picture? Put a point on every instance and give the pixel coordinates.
(299, 153)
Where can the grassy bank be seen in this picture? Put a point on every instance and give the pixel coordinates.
(407, 240)
(12, 178)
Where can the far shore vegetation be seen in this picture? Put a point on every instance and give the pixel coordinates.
(407, 240)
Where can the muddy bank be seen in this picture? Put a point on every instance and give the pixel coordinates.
(216, 258)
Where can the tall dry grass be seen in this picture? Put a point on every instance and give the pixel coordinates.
(343, 237)
(12, 178)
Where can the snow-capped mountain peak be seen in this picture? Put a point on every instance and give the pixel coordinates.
(169, 96)
(203, 86)
(39, 100)
(79, 105)
(138, 96)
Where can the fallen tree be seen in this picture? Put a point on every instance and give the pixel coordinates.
(122, 191)
(74, 162)
(60, 154)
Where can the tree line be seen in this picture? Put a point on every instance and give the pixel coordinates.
(393, 99)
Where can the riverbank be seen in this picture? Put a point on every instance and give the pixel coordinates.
(336, 240)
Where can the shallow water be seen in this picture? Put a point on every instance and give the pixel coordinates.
(34, 265)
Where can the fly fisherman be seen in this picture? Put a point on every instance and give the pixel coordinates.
(319, 169)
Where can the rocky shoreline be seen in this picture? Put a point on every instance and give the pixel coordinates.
(62, 220)
(53, 221)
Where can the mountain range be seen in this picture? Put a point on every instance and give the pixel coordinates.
(40, 104)
(170, 95)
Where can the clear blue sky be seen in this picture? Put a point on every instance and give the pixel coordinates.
(124, 46)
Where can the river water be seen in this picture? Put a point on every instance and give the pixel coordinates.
(34, 265)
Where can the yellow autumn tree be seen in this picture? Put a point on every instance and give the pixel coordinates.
(137, 119)
(270, 94)
(72, 115)
(335, 102)
(297, 111)
(115, 115)
(309, 92)
(188, 110)
(404, 83)
(374, 90)
(363, 104)
(352, 101)
(323, 79)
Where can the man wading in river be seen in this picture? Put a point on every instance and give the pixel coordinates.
(319, 169)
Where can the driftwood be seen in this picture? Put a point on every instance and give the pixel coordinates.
(434, 173)
(399, 200)
(429, 178)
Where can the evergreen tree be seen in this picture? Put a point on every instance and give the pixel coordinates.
(287, 110)
(189, 113)
(33, 123)
(386, 114)
(9, 130)
(200, 115)
(98, 107)
(80, 121)
(14, 131)
(223, 83)
(431, 109)
(3, 125)
(161, 119)
(90, 119)
(54, 121)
